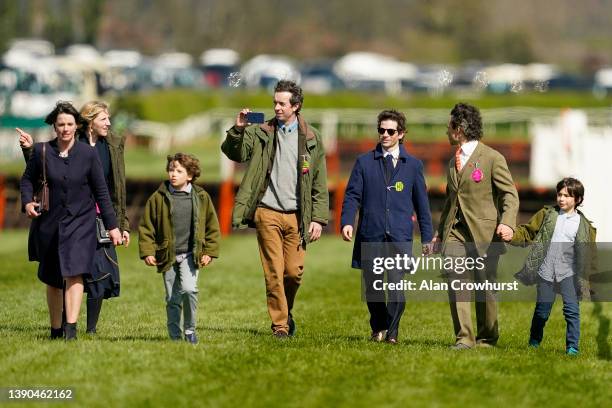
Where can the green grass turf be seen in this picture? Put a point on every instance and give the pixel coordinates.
(130, 362)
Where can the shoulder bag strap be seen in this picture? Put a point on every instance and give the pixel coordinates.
(44, 153)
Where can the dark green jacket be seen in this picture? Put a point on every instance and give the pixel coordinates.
(116, 147)
(255, 145)
(539, 231)
(156, 233)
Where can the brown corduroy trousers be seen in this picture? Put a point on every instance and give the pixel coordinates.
(282, 258)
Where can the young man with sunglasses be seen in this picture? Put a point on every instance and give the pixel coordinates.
(386, 188)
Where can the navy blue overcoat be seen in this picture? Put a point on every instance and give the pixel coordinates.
(76, 183)
(386, 206)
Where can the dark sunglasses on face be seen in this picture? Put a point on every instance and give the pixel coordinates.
(390, 132)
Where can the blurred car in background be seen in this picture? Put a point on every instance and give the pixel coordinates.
(264, 71)
(371, 71)
(217, 64)
(319, 77)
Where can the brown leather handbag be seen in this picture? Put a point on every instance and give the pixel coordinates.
(41, 196)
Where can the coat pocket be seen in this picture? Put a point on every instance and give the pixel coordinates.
(161, 252)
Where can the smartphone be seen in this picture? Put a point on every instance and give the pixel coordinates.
(255, 117)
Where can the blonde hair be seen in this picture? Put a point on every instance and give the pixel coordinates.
(90, 110)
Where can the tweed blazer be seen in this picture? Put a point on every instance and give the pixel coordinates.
(484, 201)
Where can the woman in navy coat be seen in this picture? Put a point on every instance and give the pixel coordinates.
(63, 240)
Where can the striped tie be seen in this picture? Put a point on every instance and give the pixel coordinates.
(458, 159)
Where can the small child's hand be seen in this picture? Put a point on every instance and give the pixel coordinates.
(206, 260)
(150, 260)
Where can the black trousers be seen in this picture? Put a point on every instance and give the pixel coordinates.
(386, 307)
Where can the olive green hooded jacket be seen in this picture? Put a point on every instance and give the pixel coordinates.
(255, 146)
(156, 233)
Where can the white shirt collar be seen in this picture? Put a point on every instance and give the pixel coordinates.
(468, 147)
(394, 153)
(186, 189)
(568, 215)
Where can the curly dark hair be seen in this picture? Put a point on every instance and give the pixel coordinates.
(467, 117)
(188, 161)
(297, 95)
(68, 109)
(574, 188)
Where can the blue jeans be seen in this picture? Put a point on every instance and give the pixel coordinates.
(571, 310)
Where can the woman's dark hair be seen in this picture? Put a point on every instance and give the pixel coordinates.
(467, 117)
(574, 189)
(68, 109)
(297, 96)
(188, 161)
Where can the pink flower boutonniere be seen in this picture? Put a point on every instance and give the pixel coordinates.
(477, 174)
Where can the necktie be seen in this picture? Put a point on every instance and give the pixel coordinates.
(458, 159)
(388, 167)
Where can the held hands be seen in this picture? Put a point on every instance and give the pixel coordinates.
(205, 260)
(126, 238)
(314, 231)
(115, 236)
(347, 233)
(504, 232)
(150, 260)
(25, 139)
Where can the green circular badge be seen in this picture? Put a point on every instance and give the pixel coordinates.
(399, 186)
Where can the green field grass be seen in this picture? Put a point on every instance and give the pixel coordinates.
(130, 362)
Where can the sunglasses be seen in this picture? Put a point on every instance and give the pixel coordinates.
(390, 132)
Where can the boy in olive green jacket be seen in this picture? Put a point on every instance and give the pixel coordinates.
(560, 260)
(178, 232)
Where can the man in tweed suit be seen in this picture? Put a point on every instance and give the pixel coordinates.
(480, 208)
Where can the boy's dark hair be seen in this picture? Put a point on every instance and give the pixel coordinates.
(297, 96)
(467, 117)
(392, 114)
(188, 161)
(67, 108)
(574, 188)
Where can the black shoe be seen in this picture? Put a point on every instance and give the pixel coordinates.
(292, 326)
(378, 336)
(391, 340)
(57, 333)
(91, 331)
(70, 331)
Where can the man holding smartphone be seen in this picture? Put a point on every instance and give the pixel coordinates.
(283, 195)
